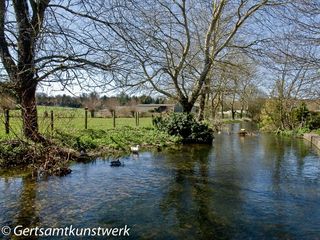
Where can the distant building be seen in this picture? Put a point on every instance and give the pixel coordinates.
(160, 108)
(145, 109)
(312, 105)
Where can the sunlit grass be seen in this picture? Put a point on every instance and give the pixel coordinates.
(67, 120)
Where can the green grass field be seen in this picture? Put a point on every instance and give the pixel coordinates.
(67, 120)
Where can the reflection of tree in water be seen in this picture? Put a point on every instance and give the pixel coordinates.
(301, 152)
(279, 150)
(275, 149)
(190, 196)
(27, 215)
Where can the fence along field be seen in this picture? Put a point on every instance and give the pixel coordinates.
(67, 120)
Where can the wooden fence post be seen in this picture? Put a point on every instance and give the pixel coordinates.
(114, 118)
(6, 119)
(138, 115)
(51, 120)
(136, 118)
(86, 118)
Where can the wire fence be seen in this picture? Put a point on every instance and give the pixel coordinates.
(68, 119)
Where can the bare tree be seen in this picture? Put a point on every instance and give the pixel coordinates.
(112, 103)
(175, 43)
(292, 48)
(39, 43)
(92, 102)
(228, 80)
(291, 78)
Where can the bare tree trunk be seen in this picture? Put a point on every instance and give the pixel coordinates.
(186, 105)
(187, 108)
(29, 114)
(92, 113)
(233, 113)
(202, 106)
(222, 109)
(214, 107)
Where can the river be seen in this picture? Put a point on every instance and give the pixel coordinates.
(253, 187)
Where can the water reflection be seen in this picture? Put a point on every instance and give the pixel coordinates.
(28, 215)
(20, 206)
(257, 187)
(189, 195)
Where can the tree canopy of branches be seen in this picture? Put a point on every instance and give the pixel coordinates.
(39, 43)
(174, 47)
(175, 44)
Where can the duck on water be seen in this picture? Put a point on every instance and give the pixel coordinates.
(116, 163)
(135, 149)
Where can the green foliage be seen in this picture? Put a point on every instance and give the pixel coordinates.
(314, 121)
(294, 132)
(301, 113)
(185, 126)
(16, 153)
(269, 119)
(254, 109)
(69, 137)
(279, 117)
(117, 139)
(157, 122)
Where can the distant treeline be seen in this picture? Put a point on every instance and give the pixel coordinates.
(95, 101)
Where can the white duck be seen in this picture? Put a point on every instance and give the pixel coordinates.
(135, 149)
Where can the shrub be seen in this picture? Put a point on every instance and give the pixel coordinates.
(280, 116)
(185, 126)
(314, 122)
(301, 116)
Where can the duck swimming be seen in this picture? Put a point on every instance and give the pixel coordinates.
(116, 163)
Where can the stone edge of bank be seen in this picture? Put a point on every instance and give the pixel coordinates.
(313, 138)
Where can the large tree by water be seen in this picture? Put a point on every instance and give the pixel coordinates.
(175, 44)
(41, 44)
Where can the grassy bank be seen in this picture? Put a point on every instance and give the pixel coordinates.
(66, 146)
(114, 140)
(66, 119)
(69, 137)
(296, 132)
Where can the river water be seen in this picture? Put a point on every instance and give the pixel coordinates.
(253, 187)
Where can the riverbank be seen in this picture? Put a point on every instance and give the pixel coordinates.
(84, 145)
(313, 138)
